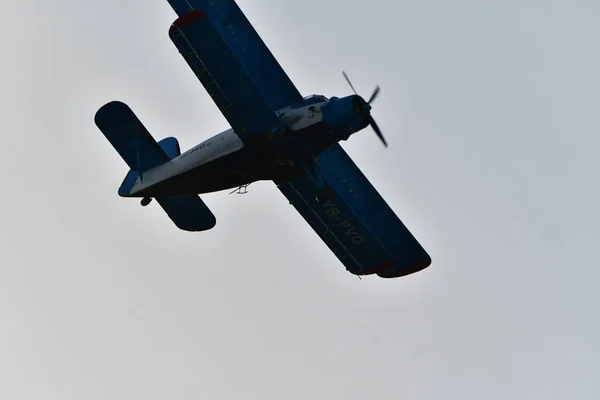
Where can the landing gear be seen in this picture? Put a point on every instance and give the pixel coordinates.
(145, 201)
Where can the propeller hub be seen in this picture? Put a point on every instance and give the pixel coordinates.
(360, 105)
(364, 107)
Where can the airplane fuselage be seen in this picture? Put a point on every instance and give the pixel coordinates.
(225, 161)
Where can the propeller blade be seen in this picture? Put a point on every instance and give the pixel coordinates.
(371, 120)
(374, 95)
(348, 80)
(377, 131)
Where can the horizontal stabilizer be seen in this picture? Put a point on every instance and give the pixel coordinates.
(188, 212)
(141, 152)
(129, 137)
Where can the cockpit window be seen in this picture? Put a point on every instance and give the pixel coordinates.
(315, 98)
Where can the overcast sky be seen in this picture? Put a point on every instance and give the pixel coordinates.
(491, 112)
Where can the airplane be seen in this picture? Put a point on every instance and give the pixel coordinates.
(276, 135)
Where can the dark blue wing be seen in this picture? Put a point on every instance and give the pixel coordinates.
(221, 74)
(354, 220)
(247, 46)
(338, 226)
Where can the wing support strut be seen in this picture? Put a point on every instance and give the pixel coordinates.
(311, 167)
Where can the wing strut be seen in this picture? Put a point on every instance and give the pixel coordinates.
(311, 167)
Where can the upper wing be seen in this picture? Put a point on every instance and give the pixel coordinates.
(230, 87)
(247, 46)
(354, 220)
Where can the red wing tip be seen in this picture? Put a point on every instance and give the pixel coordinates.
(379, 268)
(189, 18)
(392, 273)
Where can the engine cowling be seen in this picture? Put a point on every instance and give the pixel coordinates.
(346, 115)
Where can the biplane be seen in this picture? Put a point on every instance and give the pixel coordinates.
(276, 134)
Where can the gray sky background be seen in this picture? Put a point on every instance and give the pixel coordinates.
(491, 111)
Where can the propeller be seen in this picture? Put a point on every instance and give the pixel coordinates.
(372, 122)
(349, 83)
(377, 130)
(374, 95)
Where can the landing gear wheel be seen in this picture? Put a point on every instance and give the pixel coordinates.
(145, 201)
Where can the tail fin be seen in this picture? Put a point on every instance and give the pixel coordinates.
(141, 152)
(169, 145)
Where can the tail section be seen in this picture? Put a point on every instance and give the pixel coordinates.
(189, 212)
(141, 152)
(129, 137)
(169, 145)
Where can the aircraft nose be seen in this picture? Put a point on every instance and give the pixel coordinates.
(360, 105)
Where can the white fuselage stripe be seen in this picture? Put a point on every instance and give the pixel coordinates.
(218, 146)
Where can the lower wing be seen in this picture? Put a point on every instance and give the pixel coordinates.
(353, 219)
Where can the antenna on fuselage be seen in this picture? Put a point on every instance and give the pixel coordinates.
(243, 189)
